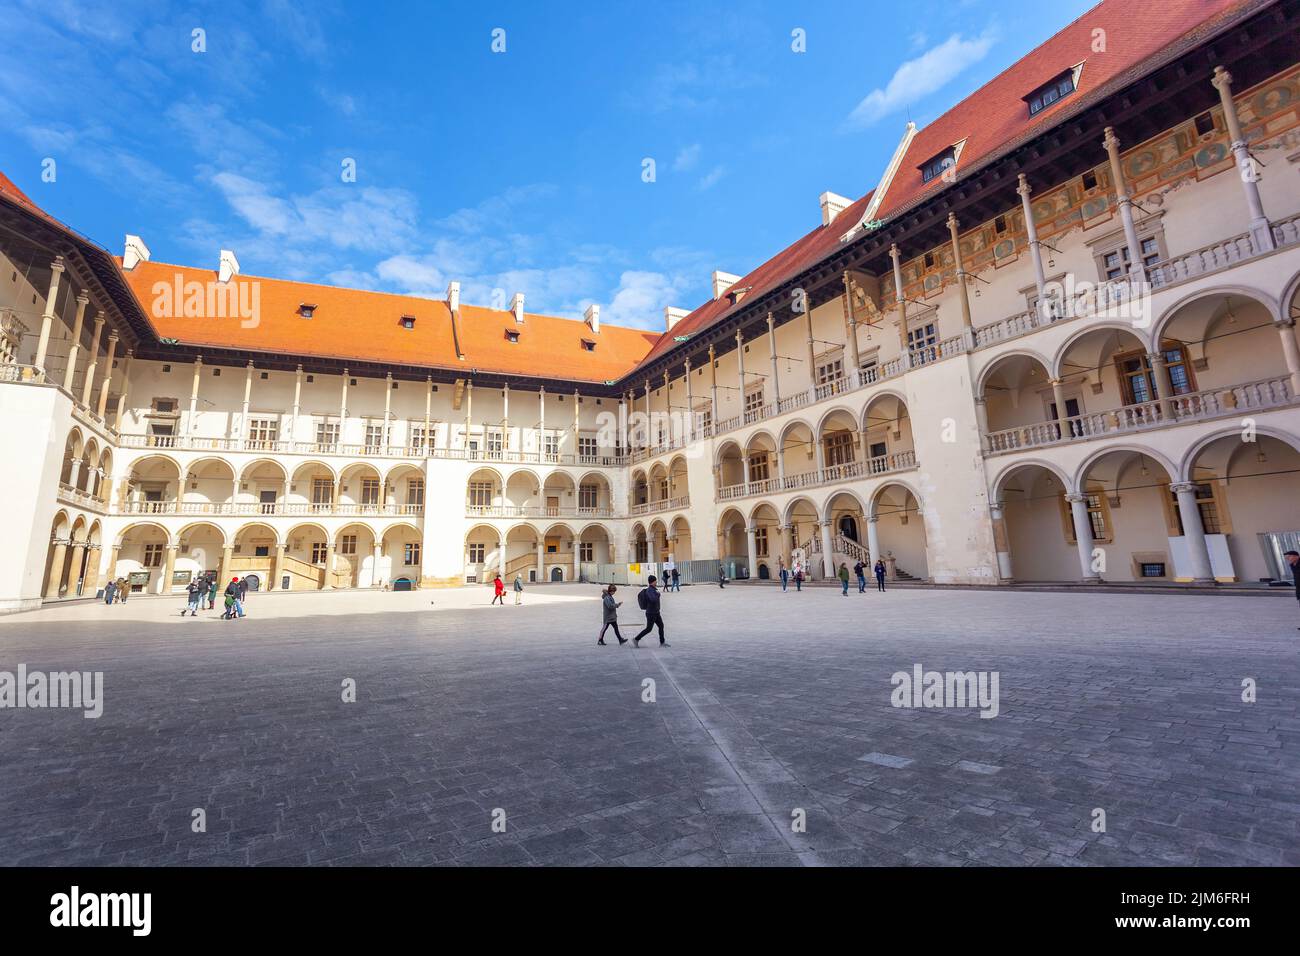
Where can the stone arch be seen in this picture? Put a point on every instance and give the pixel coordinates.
(826, 510)
(1159, 327)
(1080, 474)
(1023, 354)
(193, 526)
(874, 501)
(1057, 367)
(1184, 471)
(999, 482)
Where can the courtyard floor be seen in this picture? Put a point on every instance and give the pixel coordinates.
(768, 708)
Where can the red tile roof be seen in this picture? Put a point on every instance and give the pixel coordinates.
(362, 326)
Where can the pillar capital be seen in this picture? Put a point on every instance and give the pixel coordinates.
(1182, 487)
(112, 336)
(1222, 80)
(99, 319)
(82, 299)
(57, 266)
(1024, 189)
(1110, 140)
(952, 222)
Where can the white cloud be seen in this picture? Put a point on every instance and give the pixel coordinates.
(640, 298)
(687, 157)
(919, 77)
(711, 178)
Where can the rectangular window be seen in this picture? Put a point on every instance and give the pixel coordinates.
(1050, 92)
(587, 551)
(704, 418)
(153, 556)
(921, 342)
(760, 543)
(1137, 378)
(839, 448)
(551, 447)
(369, 491)
(327, 432)
(495, 443)
(374, 438)
(263, 431)
(480, 494)
(588, 496)
(415, 491)
(1115, 262)
(1153, 570)
(940, 163)
(759, 469)
(587, 449)
(318, 551)
(1207, 504)
(322, 493)
(477, 553)
(348, 544)
(419, 443)
(411, 553)
(830, 371)
(753, 405)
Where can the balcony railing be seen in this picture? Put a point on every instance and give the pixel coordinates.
(831, 474)
(663, 504)
(78, 498)
(536, 511)
(266, 508)
(1194, 406)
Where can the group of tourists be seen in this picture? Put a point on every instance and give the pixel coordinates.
(499, 590)
(647, 599)
(859, 570)
(116, 591)
(202, 593)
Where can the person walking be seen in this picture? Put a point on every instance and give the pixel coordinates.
(677, 579)
(195, 591)
(844, 578)
(110, 591)
(880, 574)
(1293, 559)
(798, 577)
(243, 593)
(609, 615)
(648, 600)
(123, 590)
(212, 592)
(860, 570)
(722, 576)
(519, 589)
(498, 590)
(785, 573)
(234, 599)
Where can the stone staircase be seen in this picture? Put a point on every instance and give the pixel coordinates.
(847, 551)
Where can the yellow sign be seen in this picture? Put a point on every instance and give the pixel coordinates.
(634, 570)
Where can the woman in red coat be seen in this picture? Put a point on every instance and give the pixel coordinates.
(499, 587)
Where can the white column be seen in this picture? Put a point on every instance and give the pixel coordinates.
(541, 418)
(740, 367)
(376, 579)
(713, 387)
(343, 407)
(71, 370)
(690, 404)
(647, 413)
(192, 422)
(873, 538)
(828, 556)
(1193, 532)
(1260, 230)
(964, 292)
(428, 414)
(469, 411)
(541, 560)
(1035, 249)
(771, 342)
(1062, 418)
(126, 389)
(297, 406)
(1290, 351)
(505, 418)
(248, 395)
(108, 375)
(751, 540)
(1111, 144)
(47, 317)
(1160, 382)
(1082, 536)
(1001, 542)
(982, 419)
(501, 558)
(388, 411)
(93, 356)
(900, 303)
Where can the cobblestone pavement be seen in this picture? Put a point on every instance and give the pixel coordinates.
(765, 704)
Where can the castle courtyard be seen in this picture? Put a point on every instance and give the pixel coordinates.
(767, 733)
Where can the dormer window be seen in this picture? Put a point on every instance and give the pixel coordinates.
(589, 346)
(408, 321)
(935, 167)
(1051, 91)
(512, 336)
(307, 309)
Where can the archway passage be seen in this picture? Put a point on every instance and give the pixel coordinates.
(1123, 520)
(899, 533)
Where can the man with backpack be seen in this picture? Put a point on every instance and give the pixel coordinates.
(648, 601)
(860, 570)
(195, 591)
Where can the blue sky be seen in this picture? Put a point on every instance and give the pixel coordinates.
(513, 171)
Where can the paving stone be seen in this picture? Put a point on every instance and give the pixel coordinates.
(766, 702)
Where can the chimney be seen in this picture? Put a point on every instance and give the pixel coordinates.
(832, 205)
(722, 281)
(228, 266)
(136, 252)
(592, 318)
(672, 316)
(517, 307)
(453, 295)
